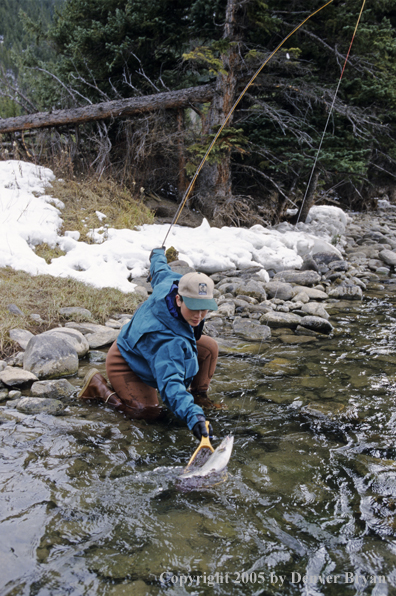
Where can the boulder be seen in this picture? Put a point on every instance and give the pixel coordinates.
(11, 376)
(39, 405)
(49, 356)
(251, 330)
(73, 337)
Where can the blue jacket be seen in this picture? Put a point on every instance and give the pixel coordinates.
(160, 348)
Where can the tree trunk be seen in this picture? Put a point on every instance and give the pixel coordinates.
(309, 199)
(182, 178)
(214, 183)
(109, 109)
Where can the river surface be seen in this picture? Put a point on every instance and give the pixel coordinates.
(90, 502)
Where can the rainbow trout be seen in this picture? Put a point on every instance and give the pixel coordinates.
(216, 462)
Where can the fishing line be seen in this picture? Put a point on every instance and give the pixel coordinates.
(330, 112)
(190, 187)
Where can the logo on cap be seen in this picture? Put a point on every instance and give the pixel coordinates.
(202, 289)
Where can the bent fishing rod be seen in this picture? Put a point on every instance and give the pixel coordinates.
(227, 118)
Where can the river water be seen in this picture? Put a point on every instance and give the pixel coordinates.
(90, 502)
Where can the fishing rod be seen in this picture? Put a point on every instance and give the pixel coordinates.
(330, 112)
(191, 185)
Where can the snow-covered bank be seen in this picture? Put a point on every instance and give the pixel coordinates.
(29, 217)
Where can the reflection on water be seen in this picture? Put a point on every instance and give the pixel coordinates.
(90, 502)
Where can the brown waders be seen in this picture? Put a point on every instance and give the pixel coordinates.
(130, 395)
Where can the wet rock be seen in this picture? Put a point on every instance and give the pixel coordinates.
(302, 278)
(347, 293)
(280, 319)
(11, 376)
(251, 330)
(40, 405)
(21, 337)
(73, 337)
(316, 324)
(55, 389)
(49, 356)
(96, 356)
(75, 311)
(316, 310)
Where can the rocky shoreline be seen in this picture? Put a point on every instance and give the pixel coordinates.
(290, 306)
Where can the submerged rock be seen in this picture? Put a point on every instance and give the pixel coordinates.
(39, 405)
(53, 389)
(251, 330)
(347, 293)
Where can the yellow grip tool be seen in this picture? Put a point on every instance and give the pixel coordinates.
(204, 444)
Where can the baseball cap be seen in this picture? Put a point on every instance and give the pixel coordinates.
(196, 290)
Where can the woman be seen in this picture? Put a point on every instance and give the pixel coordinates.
(162, 348)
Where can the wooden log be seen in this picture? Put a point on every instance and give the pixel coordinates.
(110, 109)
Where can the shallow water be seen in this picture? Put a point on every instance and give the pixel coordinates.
(90, 502)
